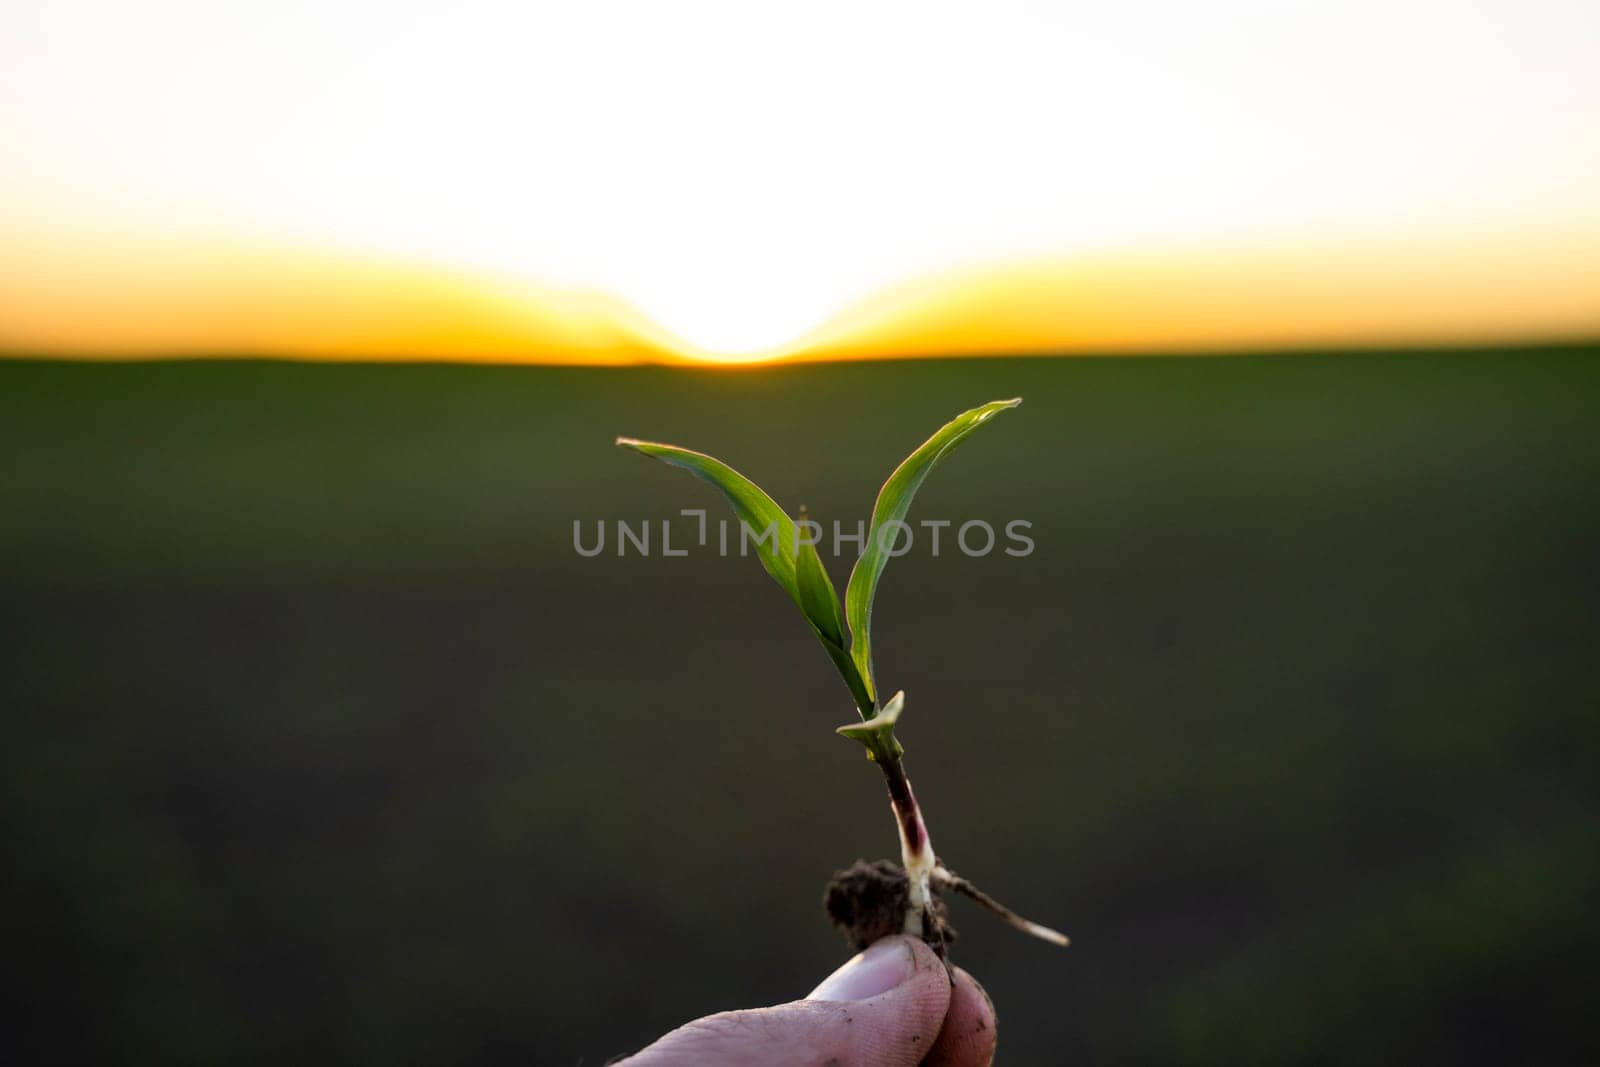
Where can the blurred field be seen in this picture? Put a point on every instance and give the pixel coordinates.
(321, 741)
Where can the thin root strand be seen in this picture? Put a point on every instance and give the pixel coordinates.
(945, 878)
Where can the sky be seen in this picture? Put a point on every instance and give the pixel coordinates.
(605, 180)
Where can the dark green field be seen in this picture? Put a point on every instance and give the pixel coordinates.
(321, 741)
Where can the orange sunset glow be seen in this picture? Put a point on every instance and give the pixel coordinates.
(616, 182)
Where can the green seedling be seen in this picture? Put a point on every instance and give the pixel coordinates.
(788, 552)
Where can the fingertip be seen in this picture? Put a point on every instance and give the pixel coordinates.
(885, 965)
(968, 1036)
(928, 963)
(912, 1015)
(885, 1007)
(901, 1023)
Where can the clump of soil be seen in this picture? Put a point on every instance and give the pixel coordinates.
(867, 901)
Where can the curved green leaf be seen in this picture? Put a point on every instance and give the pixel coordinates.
(815, 591)
(894, 500)
(771, 529)
(790, 559)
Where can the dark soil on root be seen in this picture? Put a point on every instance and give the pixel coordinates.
(867, 901)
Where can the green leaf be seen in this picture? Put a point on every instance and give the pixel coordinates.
(791, 560)
(840, 654)
(815, 591)
(894, 500)
(820, 604)
(771, 530)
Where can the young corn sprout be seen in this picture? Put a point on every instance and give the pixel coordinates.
(788, 552)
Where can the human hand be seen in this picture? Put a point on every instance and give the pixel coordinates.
(893, 1005)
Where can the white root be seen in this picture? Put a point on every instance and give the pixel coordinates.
(920, 864)
(948, 879)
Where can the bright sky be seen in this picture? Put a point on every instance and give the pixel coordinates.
(743, 172)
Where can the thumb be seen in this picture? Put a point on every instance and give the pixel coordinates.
(885, 1006)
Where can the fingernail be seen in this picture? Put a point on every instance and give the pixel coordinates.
(877, 970)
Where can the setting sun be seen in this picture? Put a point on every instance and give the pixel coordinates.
(728, 180)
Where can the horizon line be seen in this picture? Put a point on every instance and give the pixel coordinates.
(1544, 342)
(232, 300)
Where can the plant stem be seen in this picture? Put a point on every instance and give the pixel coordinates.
(923, 870)
(916, 848)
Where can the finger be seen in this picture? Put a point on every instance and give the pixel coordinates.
(885, 1006)
(968, 1036)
